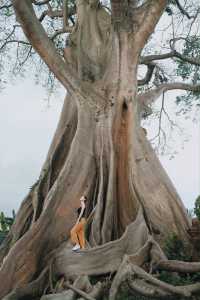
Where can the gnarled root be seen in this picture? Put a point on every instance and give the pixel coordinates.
(134, 257)
(145, 284)
(178, 266)
(81, 287)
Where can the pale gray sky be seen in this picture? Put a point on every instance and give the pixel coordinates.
(27, 125)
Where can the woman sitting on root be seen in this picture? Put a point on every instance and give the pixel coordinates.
(77, 232)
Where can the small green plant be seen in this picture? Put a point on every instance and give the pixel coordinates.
(175, 249)
(197, 208)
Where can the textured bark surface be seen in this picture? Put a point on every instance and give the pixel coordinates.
(98, 150)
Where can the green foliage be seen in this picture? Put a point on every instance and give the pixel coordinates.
(191, 48)
(175, 249)
(197, 208)
(5, 223)
(191, 72)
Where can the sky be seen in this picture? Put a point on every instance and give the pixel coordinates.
(27, 125)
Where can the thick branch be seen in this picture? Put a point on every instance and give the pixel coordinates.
(149, 58)
(42, 44)
(190, 60)
(57, 13)
(152, 95)
(146, 17)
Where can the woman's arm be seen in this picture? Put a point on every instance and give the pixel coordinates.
(81, 213)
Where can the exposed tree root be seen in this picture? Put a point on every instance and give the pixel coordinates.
(178, 266)
(81, 287)
(97, 291)
(139, 272)
(135, 250)
(146, 284)
(139, 258)
(132, 257)
(139, 286)
(81, 293)
(127, 256)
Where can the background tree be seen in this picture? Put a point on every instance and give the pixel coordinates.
(99, 147)
(3, 224)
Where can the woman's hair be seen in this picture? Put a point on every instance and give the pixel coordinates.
(85, 197)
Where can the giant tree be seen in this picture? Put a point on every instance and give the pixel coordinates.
(100, 150)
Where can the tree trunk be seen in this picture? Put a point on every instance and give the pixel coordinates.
(107, 157)
(99, 150)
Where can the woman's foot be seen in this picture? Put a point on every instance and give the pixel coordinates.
(76, 247)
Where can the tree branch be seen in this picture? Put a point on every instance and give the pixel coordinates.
(152, 95)
(51, 13)
(35, 2)
(43, 45)
(57, 13)
(61, 31)
(7, 39)
(182, 10)
(148, 75)
(146, 17)
(6, 6)
(190, 60)
(149, 58)
(14, 41)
